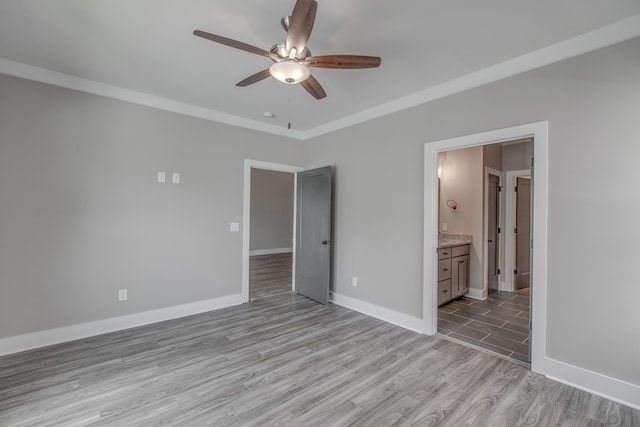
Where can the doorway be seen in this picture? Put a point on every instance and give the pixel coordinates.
(268, 248)
(271, 233)
(513, 232)
(539, 132)
(522, 232)
(485, 315)
(493, 182)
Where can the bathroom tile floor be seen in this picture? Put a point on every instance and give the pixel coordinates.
(499, 324)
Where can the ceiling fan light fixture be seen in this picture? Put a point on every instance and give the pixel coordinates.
(289, 72)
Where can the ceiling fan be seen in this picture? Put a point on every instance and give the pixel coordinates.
(292, 59)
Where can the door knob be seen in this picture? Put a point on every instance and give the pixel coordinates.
(326, 242)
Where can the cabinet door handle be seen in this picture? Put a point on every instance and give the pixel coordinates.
(444, 291)
(445, 269)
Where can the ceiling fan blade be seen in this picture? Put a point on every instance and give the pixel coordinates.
(313, 87)
(344, 61)
(261, 75)
(300, 25)
(232, 43)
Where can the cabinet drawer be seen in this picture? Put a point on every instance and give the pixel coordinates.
(444, 269)
(444, 291)
(444, 253)
(460, 250)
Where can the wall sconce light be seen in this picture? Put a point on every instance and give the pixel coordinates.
(452, 204)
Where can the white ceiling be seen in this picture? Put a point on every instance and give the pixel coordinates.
(428, 48)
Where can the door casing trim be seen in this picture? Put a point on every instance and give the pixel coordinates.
(539, 131)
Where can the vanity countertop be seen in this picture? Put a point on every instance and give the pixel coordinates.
(451, 243)
(449, 240)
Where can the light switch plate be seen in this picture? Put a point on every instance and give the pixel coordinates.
(175, 178)
(161, 177)
(122, 295)
(445, 226)
(234, 226)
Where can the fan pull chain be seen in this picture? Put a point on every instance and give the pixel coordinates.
(289, 127)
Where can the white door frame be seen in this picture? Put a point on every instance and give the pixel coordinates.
(246, 217)
(540, 132)
(485, 245)
(510, 238)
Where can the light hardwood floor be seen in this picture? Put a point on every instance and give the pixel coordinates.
(284, 360)
(269, 275)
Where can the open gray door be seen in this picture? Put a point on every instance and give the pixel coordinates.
(313, 234)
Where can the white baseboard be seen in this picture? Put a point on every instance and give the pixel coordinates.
(83, 330)
(406, 321)
(601, 385)
(270, 251)
(479, 294)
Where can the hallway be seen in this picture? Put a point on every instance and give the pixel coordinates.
(269, 275)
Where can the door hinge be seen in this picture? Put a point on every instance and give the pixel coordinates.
(515, 189)
(532, 162)
(499, 230)
(515, 230)
(515, 271)
(499, 188)
(498, 271)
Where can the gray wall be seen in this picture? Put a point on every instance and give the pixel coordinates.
(81, 214)
(516, 157)
(592, 104)
(491, 157)
(271, 210)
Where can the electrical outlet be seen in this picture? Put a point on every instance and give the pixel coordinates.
(354, 281)
(122, 295)
(161, 177)
(445, 226)
(175, 178)
(234, 226)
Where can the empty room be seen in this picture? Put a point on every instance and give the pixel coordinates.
(299, 212)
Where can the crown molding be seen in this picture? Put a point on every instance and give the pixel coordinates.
(606, 36)
(42, 75)
(615, 33)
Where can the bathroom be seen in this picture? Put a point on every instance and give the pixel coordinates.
(483, 246)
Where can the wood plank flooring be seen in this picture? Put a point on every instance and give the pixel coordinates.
(269, 275)
(499, 324)
(284, 360)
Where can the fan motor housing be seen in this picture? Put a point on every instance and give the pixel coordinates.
(281, 50)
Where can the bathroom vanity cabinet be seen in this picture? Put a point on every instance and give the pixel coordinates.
(453, 272)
